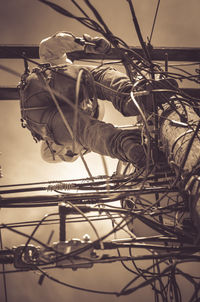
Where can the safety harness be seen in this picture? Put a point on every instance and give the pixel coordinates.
(44, 72)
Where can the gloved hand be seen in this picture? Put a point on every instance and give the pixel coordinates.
(101, 44)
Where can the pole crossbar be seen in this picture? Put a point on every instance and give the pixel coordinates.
(189, 54)
(11, 93)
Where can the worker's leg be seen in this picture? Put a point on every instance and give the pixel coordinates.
(100, 137)
(116, 87)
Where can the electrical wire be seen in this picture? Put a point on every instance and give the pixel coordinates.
(56, 221)
(73, 286)
(142, 274)
(154, 21)
(138, 31)
(89, 221)
(77, 95)
(81, 10)
(37, 226)
(4, 276)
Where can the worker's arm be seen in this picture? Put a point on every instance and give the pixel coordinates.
(54, 49)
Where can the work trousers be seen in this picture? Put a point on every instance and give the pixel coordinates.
(42, 116)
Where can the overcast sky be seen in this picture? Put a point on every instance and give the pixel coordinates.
(28, 22)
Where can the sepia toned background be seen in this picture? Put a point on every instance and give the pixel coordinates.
(28, 22)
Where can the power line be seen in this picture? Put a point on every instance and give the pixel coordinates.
(154, 21)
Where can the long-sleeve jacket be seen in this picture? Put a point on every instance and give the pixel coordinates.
(109, 84)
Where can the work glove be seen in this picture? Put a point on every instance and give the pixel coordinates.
(101, 45)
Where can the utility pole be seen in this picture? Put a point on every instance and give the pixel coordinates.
(179, 134)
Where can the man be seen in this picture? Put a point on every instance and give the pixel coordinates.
(64, 114)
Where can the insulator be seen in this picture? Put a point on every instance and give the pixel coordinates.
(61, 186)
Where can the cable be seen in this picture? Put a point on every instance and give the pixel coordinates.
(37, 226)
(10, 70)
(148, 157)
(77, 92)
(56, 221)
(73, 286)
(53, 95)
(4, 276)
(141, 275)
(187, 153)
(88, 220)
(85, 21)
(56, 103)
(99, 18)
(154, 21)
(137, 27)
(27, 236)
(78, 6)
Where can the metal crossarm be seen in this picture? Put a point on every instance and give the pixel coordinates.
(12, 93)
(190, 54)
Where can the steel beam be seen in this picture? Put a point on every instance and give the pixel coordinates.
(12, 93)
(189, 54)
